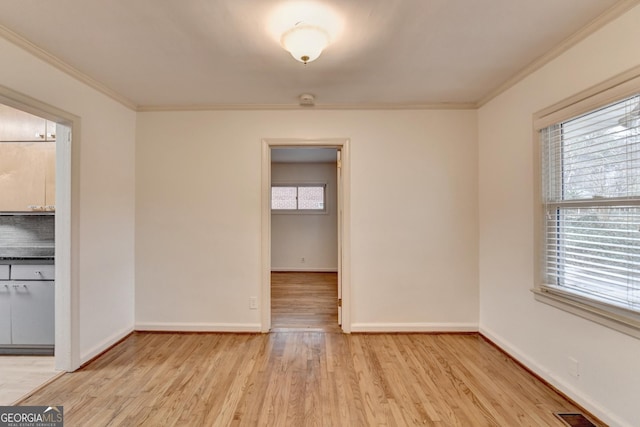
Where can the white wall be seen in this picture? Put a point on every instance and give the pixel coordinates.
(537, 334)
(311, 236)
(413, 215)
(105, 200)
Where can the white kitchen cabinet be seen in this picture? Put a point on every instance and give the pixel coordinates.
(5, 314)
(32, 313)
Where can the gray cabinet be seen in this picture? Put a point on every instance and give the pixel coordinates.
(32, 313)
(5, 314)
(27, 310)
(32, 272)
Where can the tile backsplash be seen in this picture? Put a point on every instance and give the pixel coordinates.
(27, 235)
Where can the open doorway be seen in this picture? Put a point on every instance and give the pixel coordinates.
(27, 229)
(27, 252)
(304, 241)
(304, 238)
(66, 330)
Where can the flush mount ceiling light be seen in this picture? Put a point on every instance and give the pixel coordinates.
(304, 28)
(305, 42)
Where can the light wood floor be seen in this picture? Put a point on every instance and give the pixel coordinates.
(21, 374)
(298, 378)
(306, 373)
(304, 300)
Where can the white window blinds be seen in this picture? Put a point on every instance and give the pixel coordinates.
(591, 186)
(298, 197)
(284, 198)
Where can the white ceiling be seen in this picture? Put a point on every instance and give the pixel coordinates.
(199, 53)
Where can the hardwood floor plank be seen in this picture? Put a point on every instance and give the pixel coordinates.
(476, 368)
(304, 300)
(303, 378)
(403, 395)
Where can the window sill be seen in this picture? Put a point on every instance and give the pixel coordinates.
(611, 317)
(299, 212)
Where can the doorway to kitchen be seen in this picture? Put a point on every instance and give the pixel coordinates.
(305, 235)
(66, 328)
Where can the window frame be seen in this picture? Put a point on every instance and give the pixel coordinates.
(625, 320)
(299, 211)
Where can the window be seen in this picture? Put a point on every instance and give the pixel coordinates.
(298, 198)
(591, 198)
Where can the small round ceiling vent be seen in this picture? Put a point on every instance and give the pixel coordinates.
(307, 100)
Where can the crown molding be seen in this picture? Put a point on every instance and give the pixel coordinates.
(56, 62)
(615, 11)
(262, 107)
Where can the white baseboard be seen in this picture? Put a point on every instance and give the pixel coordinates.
(305, 270)
(198, 327)
(104, 345)
(565, 388)
(414, 327)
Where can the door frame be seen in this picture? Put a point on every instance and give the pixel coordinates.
(67, 224)
(344, 205)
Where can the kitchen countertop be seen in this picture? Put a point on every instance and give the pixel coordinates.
(31, 251)
(32, 261)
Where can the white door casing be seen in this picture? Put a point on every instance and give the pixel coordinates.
(67, 307)
(339, 213)
(342, 145)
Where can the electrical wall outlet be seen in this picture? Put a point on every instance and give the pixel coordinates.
(253, 303)
(574, 367)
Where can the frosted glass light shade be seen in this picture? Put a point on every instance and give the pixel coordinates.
(305, 42)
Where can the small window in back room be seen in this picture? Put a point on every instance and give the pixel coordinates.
(298, 198)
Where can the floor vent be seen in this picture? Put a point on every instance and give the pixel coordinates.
(575, 420)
